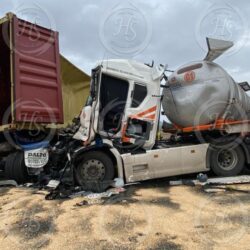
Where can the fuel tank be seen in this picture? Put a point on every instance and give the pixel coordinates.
(201, 93)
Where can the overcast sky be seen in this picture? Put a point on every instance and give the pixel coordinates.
(167, 31)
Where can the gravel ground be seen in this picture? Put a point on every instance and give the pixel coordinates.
(151, 215)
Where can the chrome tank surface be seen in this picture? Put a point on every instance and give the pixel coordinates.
(201, 93)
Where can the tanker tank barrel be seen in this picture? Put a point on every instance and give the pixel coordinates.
(200, 93)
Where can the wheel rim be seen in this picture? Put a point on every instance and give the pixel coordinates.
(92, 170)
(227, 159)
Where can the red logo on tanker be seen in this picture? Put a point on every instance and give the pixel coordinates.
(189, 76)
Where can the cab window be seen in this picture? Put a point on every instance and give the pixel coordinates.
(138, 95)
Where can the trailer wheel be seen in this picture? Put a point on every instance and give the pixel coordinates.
(15, 168)
(95, 171)
(227, 162)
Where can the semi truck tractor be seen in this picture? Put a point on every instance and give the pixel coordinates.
(117, 135)
(40, 92)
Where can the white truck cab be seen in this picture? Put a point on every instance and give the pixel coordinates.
(129, 102)
(124, 114)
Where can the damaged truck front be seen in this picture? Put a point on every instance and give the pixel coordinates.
(118, 129)
(116, 133)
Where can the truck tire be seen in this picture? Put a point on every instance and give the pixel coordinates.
(227, 162)
(95, 171)
(15, 168)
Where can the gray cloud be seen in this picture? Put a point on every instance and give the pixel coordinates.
(177, 29)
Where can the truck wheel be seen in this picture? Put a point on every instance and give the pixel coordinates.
(227, 162)
(15, 168)
(95, 171)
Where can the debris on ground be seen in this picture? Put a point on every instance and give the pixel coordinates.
(202, 179)
(243, 179)
(53, 184)
(214, 190)
(59, 190)
(8, 183)
(97, 198)
(118, 182)
(222, 188)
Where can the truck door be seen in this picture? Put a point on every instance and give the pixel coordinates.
(142, 115)
(112, 103)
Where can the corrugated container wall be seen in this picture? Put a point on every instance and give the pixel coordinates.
(37, 85)
(37, 73)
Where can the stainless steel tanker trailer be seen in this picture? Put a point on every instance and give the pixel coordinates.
(202, 93)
